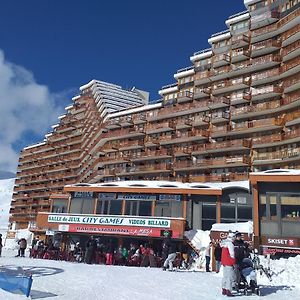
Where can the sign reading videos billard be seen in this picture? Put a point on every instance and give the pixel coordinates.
(115, 221)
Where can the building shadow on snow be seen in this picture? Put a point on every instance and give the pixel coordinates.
(30, 270)
(41, 295)
(266, 290)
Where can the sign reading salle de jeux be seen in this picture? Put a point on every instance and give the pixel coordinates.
(107, 220)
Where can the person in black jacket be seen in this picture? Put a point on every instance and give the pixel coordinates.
(217, 254)
(90, 250)
(169, 247)
(1, 244)
(240, 252)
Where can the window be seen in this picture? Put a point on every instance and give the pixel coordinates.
(82, 205)
(59, 206)
(290, 207)
(138, 208)
(115, 207)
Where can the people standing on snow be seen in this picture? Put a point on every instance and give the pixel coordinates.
(241, 252)
(207, 256)
(1, 245)
(90, 250)
(110, 252)
(228, 262)
(22, 247)
(217, 254)
(171, 246)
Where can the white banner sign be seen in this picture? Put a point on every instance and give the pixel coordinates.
(116, 221)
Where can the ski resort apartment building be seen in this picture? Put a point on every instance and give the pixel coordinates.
(234, 110)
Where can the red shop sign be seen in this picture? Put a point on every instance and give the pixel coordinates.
(118, 230)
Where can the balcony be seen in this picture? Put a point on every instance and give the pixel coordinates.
(251, 111)
(292, 84)
(262, 141)
(291, 67)
(220, 117)
(124, 133)
(185, 96)
(144, 169)
(291, 51)
(160, 127)
(239, 54)
(289, 21)
(202, 92)
(184, 123)
(264, 33)
(220, 60)
(191, 136)
(264, 77)
(240, 97)
(201, 121)
(264, 19)
(218, 147)
(139, 118)
(130, 145)
(265, 47)
(291, 36)
(265, 92)
(202, 77)
(221, 73)
(150, 155)
(231, 85)
(219, 102)
(182, 151)
(238, 41)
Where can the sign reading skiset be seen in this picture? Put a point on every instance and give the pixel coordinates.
(107, 220)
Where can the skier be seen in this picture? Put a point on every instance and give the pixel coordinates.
(171, 246)
(228, 262)
(22, 247)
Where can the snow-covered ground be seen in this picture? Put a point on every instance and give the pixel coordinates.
(60, 280)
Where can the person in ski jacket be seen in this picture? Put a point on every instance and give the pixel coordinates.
(90, 250)
(207, 256)
(171, 246)
(22, 247)
(217, 254)
(228, 262)
(240, 252)
(1, 245)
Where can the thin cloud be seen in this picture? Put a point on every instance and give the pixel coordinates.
(26, 108)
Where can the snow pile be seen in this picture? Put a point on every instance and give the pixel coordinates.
(199, 240)
(20, 233)
(285, 272)
(245, 227)
(6, 190)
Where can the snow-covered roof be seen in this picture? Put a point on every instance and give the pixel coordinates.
(34, 145)
(278, 172)
(244, 227)
(166, 184)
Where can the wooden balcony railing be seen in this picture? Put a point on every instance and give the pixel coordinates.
(290, 32)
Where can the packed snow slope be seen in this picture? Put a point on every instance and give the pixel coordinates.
(6, 190)
(60, 280)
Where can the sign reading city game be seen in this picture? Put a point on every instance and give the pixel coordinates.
(106, 220)
(144, 197)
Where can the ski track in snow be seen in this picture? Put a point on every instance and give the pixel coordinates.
(75, 281)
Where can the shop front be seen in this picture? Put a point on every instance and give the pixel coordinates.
(276, 196)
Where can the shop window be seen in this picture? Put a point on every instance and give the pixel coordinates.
(209, 211)
(115, 207)
(290, 207)
(228, 211)
(59, 206)
(244, 213)
(82, 205)
(273, 208)
(145, 208)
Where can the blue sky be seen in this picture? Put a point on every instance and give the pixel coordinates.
(64, 44)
